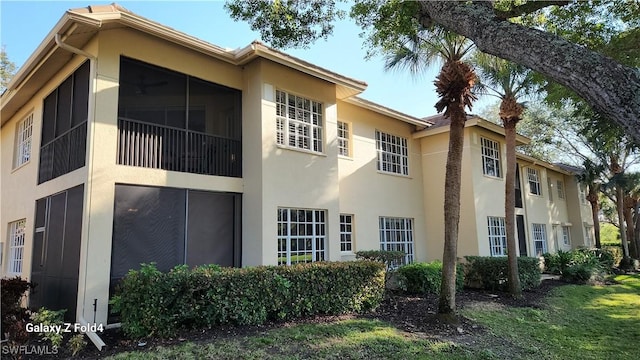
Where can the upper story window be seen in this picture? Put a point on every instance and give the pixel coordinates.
(24, 131)
(64, 126)
(344, 135)
(534, 181)
(298, 122)
(560, 186)
(583, 194)
(392, 153)
(490, 157)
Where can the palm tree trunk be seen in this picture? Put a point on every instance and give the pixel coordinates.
(622, 228)
(453, 176)
(628, 218)
(592, 197)
(515, 289)
(595, 210)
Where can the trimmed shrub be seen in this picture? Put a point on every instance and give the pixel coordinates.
(154, 303)
(387, 257)
(426, 278)
(14, 316)
(580, 265)
(492, 273)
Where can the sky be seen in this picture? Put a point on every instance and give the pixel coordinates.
(24, 25)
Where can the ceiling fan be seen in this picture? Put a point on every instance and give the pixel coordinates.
(142, 86)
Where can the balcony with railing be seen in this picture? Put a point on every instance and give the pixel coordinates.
(175, 149)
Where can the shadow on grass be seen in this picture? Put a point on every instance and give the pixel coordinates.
(586, 322)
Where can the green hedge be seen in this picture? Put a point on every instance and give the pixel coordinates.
(580, 265)
(492, 273)
(154, 303)
(426, 278)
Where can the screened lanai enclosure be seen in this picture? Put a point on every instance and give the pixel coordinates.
(172, 121)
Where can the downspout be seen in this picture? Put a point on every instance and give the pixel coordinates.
(72, 49)
(95, 339)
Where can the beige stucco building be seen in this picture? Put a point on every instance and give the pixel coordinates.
(169, 149)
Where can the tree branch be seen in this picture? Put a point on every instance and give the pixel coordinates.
(609, 87)
(527, 8)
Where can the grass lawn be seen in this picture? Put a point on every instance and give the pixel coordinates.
(579, 322)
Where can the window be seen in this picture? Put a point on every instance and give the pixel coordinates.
(346, 232)
(24, 131)
(343, 139)
(588, 236)
(490, 157)
(16, 247)
(301, 236)
(560, 186)
(566, 235)
(497, 236)
(396, 234)
(534, 181)
(392, 153)
(583, 194)
(550, 188)
(540, 238)
(298, 122)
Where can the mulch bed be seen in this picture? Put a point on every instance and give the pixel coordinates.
(414, 314)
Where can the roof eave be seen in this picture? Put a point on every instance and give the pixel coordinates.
(380, 109)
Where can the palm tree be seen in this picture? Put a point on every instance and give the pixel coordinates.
(509, 82)
(453, 85)
(590, 177)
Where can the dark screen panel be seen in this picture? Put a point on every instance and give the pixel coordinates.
(49, 118)
(148, 227)
(80, 95)
(210, 237)
(63, 120)
(72, 234)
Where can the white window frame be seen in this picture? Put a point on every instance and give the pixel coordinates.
(346, 233)
(344, 139)
(17, 231)
(393, 153)
(539, 236)
(299, 123)
(302, 235)
(583, 194)
(497, 236)
(533, 177)
(566, 235)
(560, 185)
(396, 234)
(588, 239)
(24, 133)
(491, 165)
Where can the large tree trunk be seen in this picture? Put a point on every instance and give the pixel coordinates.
(515, 288)
(616, 95)
(592, 197)
(453, 178)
